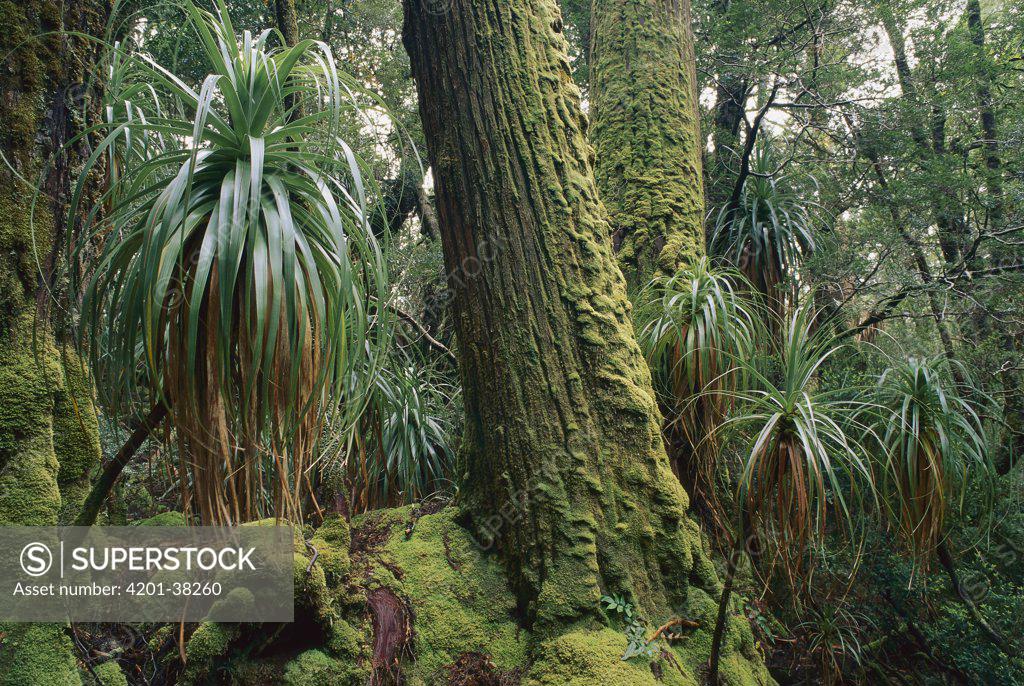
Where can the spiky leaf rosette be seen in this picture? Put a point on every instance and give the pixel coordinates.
(693, 327)
(802, 464)
(771, 230)
(402, 449)
(238, 277)
(934, 446)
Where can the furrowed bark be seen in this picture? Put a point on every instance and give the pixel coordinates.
(646, 131)
(565, 473)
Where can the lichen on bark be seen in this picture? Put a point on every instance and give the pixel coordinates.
(646, 132)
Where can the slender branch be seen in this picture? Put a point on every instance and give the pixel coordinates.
(101, 489)
(433, 342)
(993, 635)
(748, 149)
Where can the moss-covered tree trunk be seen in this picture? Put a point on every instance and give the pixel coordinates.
(48, 431)
(646, 131)
(565, 473)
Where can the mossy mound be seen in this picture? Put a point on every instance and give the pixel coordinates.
(449, 617)
(462, 606)
(36, 655)
(594, 658)
(258, 653)
(107, 674)
(316, 668)
(461, 602)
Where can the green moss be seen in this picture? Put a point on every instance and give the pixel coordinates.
(29, 373)
(594, 658)
(36, 655)
(164, 519)
(460, 599)
(109, 674)
(646, 129)
(315, 668)
(332, 541)
(238, 601)
(741, 664)
(346, 641)
(76, 436)
(204, 650)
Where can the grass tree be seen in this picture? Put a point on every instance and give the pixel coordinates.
(801, 467)
(767, 229)
(694, 328)
(934, 447)
(401, 451)
(238, 276)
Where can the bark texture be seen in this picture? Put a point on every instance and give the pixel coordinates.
(565, 473)
(646, 131)
(48, 431)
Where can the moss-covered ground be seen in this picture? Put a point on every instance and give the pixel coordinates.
(463, 625)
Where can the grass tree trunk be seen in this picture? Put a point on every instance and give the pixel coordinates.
(48, 431)
(646, 131)
(565, 473)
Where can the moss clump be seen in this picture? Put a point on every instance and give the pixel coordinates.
(315, 668)
(36, 655)
(205, 648)
(332, 541)
(594, 658)
(460, 599)
(107, 674)
(346, 641)
(164, 519)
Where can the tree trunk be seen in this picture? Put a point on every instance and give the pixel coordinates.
(646, 131)
(287, 20)
(565, 473)
(732, 86)
(986, 114)
(48, 432)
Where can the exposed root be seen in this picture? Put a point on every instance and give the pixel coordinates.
(392, 635)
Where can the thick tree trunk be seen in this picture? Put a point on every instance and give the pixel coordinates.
(48, 431)
(646, 131)
(564, 468)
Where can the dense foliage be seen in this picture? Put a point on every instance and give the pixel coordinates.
(840, 378)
